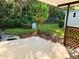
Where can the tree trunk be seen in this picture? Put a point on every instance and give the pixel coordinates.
(20, 13)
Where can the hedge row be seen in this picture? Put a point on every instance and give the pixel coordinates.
(14, 23)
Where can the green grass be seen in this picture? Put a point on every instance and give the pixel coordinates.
(52, 29)
(18, 31)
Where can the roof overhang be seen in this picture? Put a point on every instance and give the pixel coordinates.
(61, 2)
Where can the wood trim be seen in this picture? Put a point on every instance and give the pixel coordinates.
(66, 22)
(67, 14)
(75, 2)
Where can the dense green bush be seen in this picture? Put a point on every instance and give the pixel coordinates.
(11, 23)
(25, 21)
(14, 23)
(61, 23)
(2, 24)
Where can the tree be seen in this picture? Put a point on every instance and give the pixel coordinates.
(22, 12)
(55, 12)
(37, 11)
(5, 10)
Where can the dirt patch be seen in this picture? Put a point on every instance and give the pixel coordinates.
(45, 35)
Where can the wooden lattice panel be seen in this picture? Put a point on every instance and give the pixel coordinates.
(72, 37)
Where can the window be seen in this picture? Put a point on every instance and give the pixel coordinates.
(74, 14)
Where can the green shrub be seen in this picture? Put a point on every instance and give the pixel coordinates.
(25, 21)
(2, 25)
(10, 23)
(61, 23)
(13, 23)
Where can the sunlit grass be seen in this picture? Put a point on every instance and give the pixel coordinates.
(18, 31)
(52, 29)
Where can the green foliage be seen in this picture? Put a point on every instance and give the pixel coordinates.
(18, 31)
(4, 10)
(13, 23)
(55, 12)
(16, 12)
(37, 11)
(10, 23)
(53, 29)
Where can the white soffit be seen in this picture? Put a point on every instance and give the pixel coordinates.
(58, 2)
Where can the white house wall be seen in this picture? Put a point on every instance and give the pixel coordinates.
(73, 21)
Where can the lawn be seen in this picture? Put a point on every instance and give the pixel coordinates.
(18, 31)
(52, 29)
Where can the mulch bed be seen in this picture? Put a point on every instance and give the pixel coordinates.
(44, 35)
